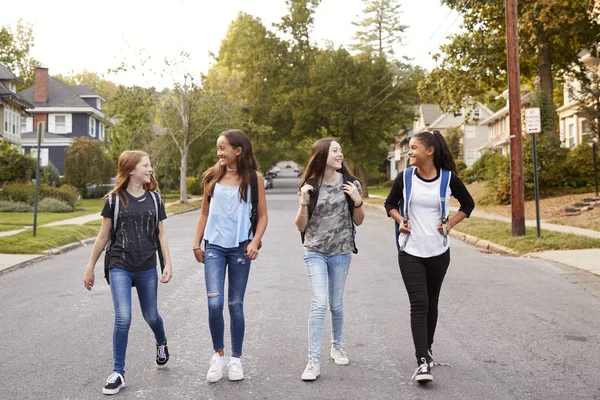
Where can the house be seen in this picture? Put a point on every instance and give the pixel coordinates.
(473, 135)
(573, 127)
(12, 107)
(67, 111)
(498, 127)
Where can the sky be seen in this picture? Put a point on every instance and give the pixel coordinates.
(75, 35)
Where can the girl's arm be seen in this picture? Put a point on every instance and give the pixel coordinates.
(263, 220)
(99, 244)
(164, 246)
(460, 192)
(394, 198)
(198, 252)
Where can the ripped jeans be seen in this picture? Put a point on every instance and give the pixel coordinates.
(216, 261)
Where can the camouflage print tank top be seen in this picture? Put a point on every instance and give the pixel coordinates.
(329, 230)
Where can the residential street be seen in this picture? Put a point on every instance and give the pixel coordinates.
(513, 328)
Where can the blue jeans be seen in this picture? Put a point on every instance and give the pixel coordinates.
(146, 284)
(216, 262)
(326, 275)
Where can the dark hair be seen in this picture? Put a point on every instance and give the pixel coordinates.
(315, 169)
(442, 156)
(246, 163)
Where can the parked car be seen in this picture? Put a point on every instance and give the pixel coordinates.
(296, 169)
(268, 183)
(288, 165)
(277, 169)
(97, 191)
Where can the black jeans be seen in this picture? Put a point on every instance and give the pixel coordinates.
(423, 279)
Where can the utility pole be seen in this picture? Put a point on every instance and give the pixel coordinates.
(517, 186)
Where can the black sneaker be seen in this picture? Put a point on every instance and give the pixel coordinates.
(162, 355)
(423, 372)
(114, 383)
(430, 355)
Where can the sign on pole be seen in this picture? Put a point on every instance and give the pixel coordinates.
(533, 120)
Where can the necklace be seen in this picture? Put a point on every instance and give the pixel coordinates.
(231, 169)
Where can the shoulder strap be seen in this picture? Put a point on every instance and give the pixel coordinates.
(157, 202)
(156, 199)
(408, 183)
(113, 201)
(444, 184)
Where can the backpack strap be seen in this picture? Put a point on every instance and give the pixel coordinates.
(254, 199)
(113, 203)
(351, 211)
(157, 204)
(407, 178)
(444, 185)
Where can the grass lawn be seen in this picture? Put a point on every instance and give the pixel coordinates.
(501, 233)
(47, 238)
(14, 220)
(182, 207)
(379, 191)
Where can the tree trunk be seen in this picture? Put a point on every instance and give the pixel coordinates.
(183, 196)
(546, 84)
(363, 179)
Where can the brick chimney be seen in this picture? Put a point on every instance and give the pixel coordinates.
(40, 83)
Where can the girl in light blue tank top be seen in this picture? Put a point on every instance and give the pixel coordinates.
(231, 243)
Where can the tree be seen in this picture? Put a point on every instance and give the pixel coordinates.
(454, 139)
(87, 164)
(15, 48)
(98, 84)
(588, 98)
(473, 64)
(134, 111)
(379, 29)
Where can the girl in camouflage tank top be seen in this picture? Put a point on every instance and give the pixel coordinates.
(330, 206)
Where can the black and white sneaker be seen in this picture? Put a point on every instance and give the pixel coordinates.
(431, 362)
(162, 355)
(114, 383)
(423, 372)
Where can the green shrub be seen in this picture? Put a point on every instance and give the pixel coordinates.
(460, 165)
(19, 192)
(581, 160)
(50, 175)
(194, 186)
(52, 205)
(15, 166)
(66, 193)
(25, 193)
(467, 175)
(14, 206)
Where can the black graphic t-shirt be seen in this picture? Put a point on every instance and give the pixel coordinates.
(136, 243)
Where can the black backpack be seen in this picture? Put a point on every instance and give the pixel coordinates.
(114, 203)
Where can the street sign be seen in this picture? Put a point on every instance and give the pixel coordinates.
(533, 120)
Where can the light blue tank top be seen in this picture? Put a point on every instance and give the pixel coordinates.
(228, 217)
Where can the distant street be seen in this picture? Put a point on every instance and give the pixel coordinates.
(513, 328)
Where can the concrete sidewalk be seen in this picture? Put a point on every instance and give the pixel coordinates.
(586, 259)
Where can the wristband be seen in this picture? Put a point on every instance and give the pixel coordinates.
(360, 205)
(196, 248)
(303, 205)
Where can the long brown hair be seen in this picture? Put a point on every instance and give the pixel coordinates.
(127, 163)
(245, 164)
(315, 169)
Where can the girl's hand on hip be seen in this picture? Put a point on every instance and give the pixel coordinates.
(199, 254)
(167, 274)
(88, 279)
(305, 193)
(441, 229)
(251, 251)
(351, 190)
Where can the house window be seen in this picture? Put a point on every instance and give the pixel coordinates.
(43, 156)
(60, 124)
(571, 136)
(476, 113)
(92, 127)
(470, 132)
(458, 113)
(101, 134)
(99, 104)
(23, 124)
(6, 121)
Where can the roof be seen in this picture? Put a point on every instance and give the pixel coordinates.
(6, 75)
(503, 112)
(7, 94)
(430, 112)
(83, 90)
(59, 95)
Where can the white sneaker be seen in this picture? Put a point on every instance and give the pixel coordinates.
(236, 373)
(312, 370)
(215, 371)
(339, 356)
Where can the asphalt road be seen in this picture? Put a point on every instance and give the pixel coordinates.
(512, 328)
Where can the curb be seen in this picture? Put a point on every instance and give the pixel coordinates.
(472, 240)
(21, 264)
